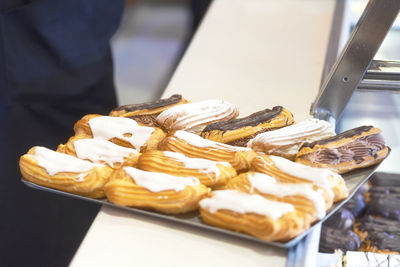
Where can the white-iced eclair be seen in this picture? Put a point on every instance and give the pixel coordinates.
(157, 191)
(287, 171)
(52, 169)
(121, 131)
(210, 173)
(195, 146)
(285, 142)
(253, 214)
(100, 151)
(193, 117)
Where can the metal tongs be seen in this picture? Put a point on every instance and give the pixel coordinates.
(355, 67)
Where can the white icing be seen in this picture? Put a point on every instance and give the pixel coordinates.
(193, 116)
(157, 182)
(107, 127)
(245, 203)
(299, 132)
(268, 185)
(55, 162)
(316, 175)
(203, 165)
(99, 150)
(199, 141)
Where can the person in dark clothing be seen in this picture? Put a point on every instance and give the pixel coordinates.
(55, 67)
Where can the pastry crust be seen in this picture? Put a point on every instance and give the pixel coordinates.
(262, 226)
(120, 156)
(306, 198)
(285, 142)
(147, 112)
(127, 134)
(193, 117)
(356, 148)
(239, 131)
(124, 191)
(210, 173)
(88, 184)
(195, 146)
(291, 172)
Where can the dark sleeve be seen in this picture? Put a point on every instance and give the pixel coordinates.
(6, 5)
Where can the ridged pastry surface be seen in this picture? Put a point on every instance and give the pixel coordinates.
(156, 191)
(252, 214)
(121, 131)
(210, 173)
(240, 131)
(287, 171)
(304, 197)
(287, 141)
(195, 146)
(64, 172)
(356, 148)
(194, 117)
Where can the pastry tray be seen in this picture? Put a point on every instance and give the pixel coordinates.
(353, 179)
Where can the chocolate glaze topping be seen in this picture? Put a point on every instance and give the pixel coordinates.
(332, 239)
(387, 206)
(342, 219)
(375, 224)
(384, 241)
(151, 105)
(356, 150)
(356, 205)
(254, 119)
(346, 134)
(385, 179)
(149, 120)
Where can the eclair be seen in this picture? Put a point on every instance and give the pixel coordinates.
(146, 113)
(253, 214)
(287, 171)
(121, 131)
(238, 132)
(193, 117)
(356, 148)
(100, 151)
(195, 146)
(210, 173)
(285, 142)
(305, 197)
(60, 171)
(155, 191)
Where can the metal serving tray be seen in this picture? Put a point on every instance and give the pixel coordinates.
(353, 179)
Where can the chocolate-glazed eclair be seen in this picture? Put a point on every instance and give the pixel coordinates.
(356, 148)
(147, 112)
(239, 131)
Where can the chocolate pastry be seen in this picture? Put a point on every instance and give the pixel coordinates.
(238, 132)
(343, 219)
(378, 234)
(285, 142)
(385, 179)
(387, 206)
(356, 205)
(193, 117)
(332, 239)
(356, 148)
(147, 112)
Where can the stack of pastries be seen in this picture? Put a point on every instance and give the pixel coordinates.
(263, 174)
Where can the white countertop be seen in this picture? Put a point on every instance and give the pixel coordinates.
(256, 54)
